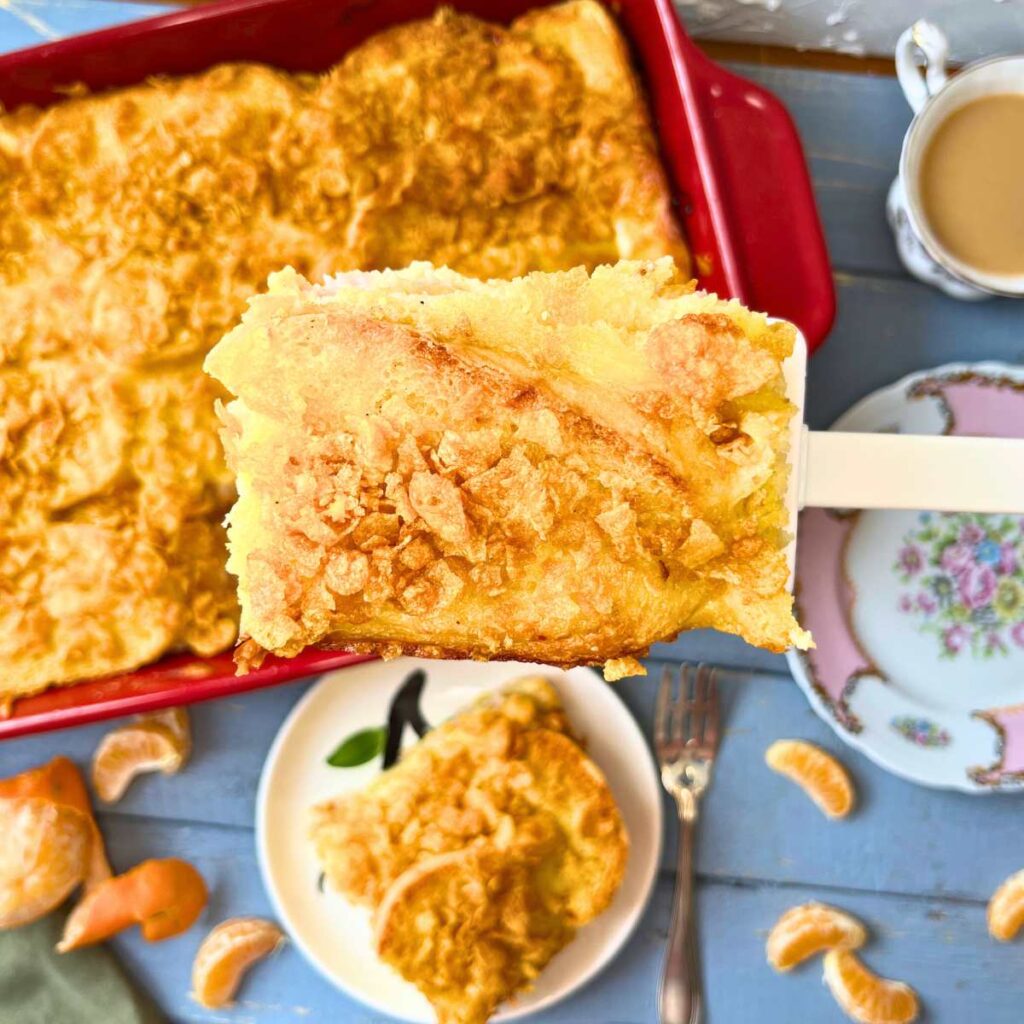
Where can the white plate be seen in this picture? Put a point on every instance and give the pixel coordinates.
(335, 936)
(918, 617)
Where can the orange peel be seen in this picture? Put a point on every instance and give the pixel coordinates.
(818, 773)
(227, 953)
(60, 780)
(158, 742)
(863, 995)
(1006, 908)
(44, 856)
(811, 928)
(164, 897)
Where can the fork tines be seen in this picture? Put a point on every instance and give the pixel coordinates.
(687, 713)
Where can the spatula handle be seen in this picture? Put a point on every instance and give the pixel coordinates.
(910, 471)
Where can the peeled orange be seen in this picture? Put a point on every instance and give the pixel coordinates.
(808, 929)
(60, 780)
(164, 897)
(865, 997)
(226, 953)
(44, 854)
(1006, 908)
(820, 775)
(159, 742)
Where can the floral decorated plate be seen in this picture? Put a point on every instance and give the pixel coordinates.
(919, 616)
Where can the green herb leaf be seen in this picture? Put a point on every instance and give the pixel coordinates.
(359, 748)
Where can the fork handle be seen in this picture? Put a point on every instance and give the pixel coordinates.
(680, 998)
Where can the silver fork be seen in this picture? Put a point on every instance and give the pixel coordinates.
(685, 740)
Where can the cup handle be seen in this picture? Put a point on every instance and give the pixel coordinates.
(920, 84)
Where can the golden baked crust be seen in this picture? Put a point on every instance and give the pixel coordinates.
(134, 224)
(124, 249)
(470, 929)
(563, 468)
(508, 774)
(493, 839)
(83, 599)
(112, 488)
(493, 151)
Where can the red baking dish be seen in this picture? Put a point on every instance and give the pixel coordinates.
(733, 156)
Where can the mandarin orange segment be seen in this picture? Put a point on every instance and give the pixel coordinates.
(863, 995)
(174, 719)
(164, 897)
(154, 743)
(818, 773)
(60, 780)
(227, 953)
(808, 929)
(1006, 908)
(43, 856)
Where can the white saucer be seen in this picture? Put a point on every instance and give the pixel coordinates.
(335, 936)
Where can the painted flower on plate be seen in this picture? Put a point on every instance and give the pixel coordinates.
(921, 731)
(988, 552)
(1008, 559)
(976, 586)
(1009, 600)
(911, 559)
(965, 579)
(994, 642)
(956, 639)
(971, 533)
(957, 558)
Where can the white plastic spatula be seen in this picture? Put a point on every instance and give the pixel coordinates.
(911, 471)
(898, 471)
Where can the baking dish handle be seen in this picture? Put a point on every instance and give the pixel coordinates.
(769, 203)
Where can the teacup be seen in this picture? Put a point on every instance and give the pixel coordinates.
(934, 97)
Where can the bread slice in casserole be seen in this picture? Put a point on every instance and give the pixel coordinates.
(564, 468)
(135, 222)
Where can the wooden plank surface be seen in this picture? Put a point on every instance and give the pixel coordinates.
(918, 865)
(949, 843)
(938, 944)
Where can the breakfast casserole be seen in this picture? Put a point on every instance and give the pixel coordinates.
(508, 770)
(563, 468)
(135, 223)
(481, 852)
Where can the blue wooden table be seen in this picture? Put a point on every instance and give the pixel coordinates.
(918, 866)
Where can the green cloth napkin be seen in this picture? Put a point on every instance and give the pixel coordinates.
(39, 986)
